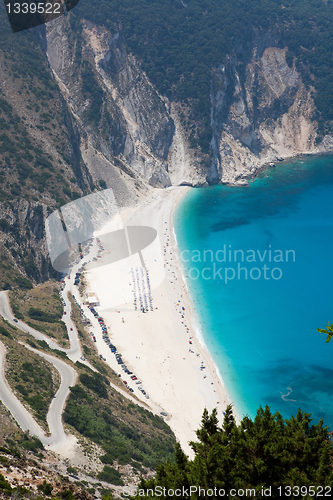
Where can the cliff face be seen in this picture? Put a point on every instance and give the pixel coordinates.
(105, 123)
(23, 245)
(261, 113)
(135, 131)
(139, 138)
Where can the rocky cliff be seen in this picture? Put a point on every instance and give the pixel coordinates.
(261, 112)
(88, 117)
(139, 138)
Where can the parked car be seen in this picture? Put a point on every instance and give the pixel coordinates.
(164, 414)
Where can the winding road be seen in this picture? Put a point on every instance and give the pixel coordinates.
(68, 377)
(23, 417)
(73, 353)
(58, 440)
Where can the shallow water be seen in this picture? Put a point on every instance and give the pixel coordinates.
(259, 322)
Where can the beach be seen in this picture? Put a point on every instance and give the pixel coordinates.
(160, 345)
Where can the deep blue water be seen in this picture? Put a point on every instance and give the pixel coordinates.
(261, 332)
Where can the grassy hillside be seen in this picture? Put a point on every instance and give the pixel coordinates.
(41, 308)
(127, 435)
(35, 153)
(28, 471)
(40, 162)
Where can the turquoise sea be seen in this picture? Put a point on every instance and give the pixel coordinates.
(259, 323)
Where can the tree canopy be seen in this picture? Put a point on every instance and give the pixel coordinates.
(267, 452)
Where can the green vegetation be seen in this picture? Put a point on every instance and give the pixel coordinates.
(96, 383)
(39, 315)
(32, 378)
(46, 488)
(110, 475)
(4, 485)
(261, 453)
(41, 308)
(20, 452)
(95, 411)
(23, 283)
(16, 310)
(92, 91)
(179, 43)
(31, 444)
(5, 332)
(30, 90)
(328, 331)
(89, 346)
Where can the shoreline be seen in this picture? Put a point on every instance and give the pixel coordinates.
(164, 348)
(195, 322)
(266, 166)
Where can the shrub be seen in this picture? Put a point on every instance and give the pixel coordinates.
(4, 485)
(39, 315)
(5, 332)
(32, 444)
(46, 488)
(23, 283)
(95, 383)
(110, 475)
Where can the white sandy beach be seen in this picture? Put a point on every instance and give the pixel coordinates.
(155, 345)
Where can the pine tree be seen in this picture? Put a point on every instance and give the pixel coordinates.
(261, 453)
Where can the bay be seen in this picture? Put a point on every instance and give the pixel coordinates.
(259, 308)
